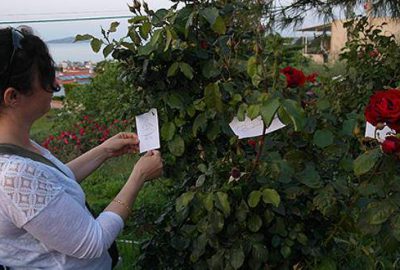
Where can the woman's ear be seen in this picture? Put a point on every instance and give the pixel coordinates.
(11, 97)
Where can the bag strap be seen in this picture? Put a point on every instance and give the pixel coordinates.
(11, 149)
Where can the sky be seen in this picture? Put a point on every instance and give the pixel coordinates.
(18, 10)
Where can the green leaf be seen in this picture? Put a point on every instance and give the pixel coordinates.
(253, 111)
(268, 110)
(213, 131)
(146, 49)
(210, 14)
(252, 66)
(186, 70)
(242, 211)
(327, 264)
(144, 30)
(295, 112)
(156, 37)
(222, 203)
(189, 23)
(310, 177)
(199, 246)
(177, 146)
(323, 138)
(236, 257)
(169, 39)
(113, 27)
(395, 225)
(365, 162)
(174, 101)
(168, 131)
(254, 198)
(199, 123)
(96, 44)
(213, 97)
(271, 196)
(83, 37)
(173, 69)
(379, 212)
(134, 36)
(217, 221)
(183, 201)
(219, 26)
(286, 251)
(254, 223)
(208, 202)
(323, 104)
(210, 70)
(107, 50)
(137, 19)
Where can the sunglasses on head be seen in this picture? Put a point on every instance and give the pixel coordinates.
(17, 35)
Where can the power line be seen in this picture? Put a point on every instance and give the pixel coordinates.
(66, 20)
(62, 13)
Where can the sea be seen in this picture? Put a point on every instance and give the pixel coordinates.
(80, 51)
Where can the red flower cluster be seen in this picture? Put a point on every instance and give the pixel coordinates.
(296, 77)
(384, 107)
(85, 134)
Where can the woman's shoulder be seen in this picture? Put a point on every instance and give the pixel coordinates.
(26, 185)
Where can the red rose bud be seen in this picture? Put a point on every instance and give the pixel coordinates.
(252, 143)
(235, 172)
(312, 78)
(294, 77)
(391, 145)
(204, 44)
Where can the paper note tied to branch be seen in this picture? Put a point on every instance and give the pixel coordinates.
(247, 128)
(253, 128)
(275, 125)
(147, 130)
(379, 134)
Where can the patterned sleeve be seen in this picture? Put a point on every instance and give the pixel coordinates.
(32, 199)
(28, 188)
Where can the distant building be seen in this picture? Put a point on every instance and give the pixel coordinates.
(74, 72)
(333, 37)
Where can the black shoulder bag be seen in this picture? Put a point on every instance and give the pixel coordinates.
(11, 149)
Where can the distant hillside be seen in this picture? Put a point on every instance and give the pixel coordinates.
(64, 40)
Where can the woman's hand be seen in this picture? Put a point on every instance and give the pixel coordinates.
(149, 166)
(120, 144)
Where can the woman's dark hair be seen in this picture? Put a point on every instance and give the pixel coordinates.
(33, 58)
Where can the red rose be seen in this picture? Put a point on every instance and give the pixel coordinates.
(294, 77)
(391, 145)
(384, 107)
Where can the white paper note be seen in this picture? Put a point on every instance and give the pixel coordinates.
(147, 130)
(275, 125)
(380, 134)
(247, 128)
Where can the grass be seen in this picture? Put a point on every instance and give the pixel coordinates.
(102, 186)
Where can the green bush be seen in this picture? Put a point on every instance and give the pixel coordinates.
(302, 197)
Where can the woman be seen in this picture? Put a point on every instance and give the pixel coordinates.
(44, 223)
